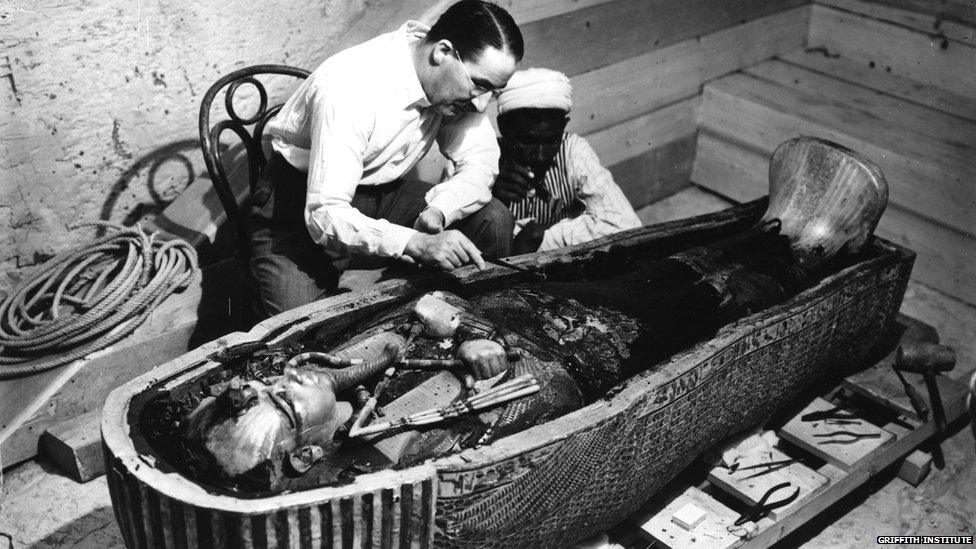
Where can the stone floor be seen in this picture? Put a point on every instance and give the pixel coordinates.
(39, 507)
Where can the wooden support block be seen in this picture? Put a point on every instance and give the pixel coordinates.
(711, 532)
(75, 446)
(916, 465)
(810, 436)
(749, 486)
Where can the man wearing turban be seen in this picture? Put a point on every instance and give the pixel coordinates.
(551, 179)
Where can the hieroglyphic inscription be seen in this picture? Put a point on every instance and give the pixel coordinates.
(460, 483)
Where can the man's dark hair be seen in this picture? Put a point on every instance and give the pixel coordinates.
(473, 25)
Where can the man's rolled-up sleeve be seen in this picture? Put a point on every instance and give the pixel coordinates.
(340, 132)
(469, 142)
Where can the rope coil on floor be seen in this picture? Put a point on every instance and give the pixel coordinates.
(89, 297)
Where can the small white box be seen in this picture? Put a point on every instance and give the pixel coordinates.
(689, 516)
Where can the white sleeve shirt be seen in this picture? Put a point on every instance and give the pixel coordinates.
(607, 209)
(362, 119)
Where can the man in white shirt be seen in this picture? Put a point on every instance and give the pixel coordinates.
(347, 136)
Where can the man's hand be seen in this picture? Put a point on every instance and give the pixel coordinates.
(430, 221)
(484, 357)
(529, 239)
(446, 249)
(513, 183)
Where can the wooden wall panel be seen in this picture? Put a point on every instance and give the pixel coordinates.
(763, 114)
(907, 52)
(863, 74)
(650, 81)
(599, 35)
(952, 19)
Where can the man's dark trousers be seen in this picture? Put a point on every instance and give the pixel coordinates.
(292, 270)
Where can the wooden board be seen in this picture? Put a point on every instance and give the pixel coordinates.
(584, 39)
(907, 52)
(938, 19)
(75, 446)
(34, 404)
(812, 437)
(712, 532)
(749, 488)
(763, 114)
(944, 255)
(650, 81)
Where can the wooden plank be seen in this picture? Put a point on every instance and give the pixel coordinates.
(876, 78)
(818, 438)
(647, 132)
(527, 11)
(181, 322)
(929, 134)
(594, 36)
(959, 11)
(648, 82)
(730, 169)
(763, 114)
(905, 51)
(656, 174)
(75, 446)
(686, 203)
(749, 487)
(916, 465)
(919, 16)
(944, 257)
(712, 532)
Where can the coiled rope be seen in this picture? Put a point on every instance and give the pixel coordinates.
(89, 297)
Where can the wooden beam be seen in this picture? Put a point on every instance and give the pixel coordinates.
(33, 404)
(875, 78)
(527, 11)
(75, 446)
(906, 52)
(944, 255)
(594, 36)
(952, 20)
(762, 115)
(645, 83)
(913, 130)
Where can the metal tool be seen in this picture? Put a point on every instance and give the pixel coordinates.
(761, 509)
(837, 412)
(531, 272)
(929, 359)
(916, 400)
(767, 467)
(845, 437)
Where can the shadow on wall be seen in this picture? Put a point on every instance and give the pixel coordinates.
(175, 153)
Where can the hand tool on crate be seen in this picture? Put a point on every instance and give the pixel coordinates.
(844, 437)
(761, 509)
(916, 400)
(929, 359)
(764, 468)
(837, 412)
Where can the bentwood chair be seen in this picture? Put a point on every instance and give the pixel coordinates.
(234, 201)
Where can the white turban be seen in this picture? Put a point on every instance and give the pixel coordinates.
(536, 89)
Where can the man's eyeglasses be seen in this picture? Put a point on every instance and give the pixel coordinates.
(480, 87)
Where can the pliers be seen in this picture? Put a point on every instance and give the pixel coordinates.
(768, 467)
(761, 509)
(853, 437)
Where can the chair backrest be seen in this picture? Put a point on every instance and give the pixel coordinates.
(251, 140)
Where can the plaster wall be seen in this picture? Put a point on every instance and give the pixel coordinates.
(99, 99)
